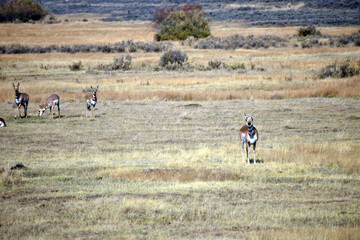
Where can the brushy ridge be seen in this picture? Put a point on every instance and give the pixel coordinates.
(119, 47)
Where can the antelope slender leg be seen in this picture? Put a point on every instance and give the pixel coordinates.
(59, 110)
(25, 109)
(254, 153)
(247, 153)
(242, 146)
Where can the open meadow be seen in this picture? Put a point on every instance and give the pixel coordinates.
(162, 157)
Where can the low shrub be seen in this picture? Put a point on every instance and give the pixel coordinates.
(119, 47)
(308, 31)
(234, 66)
(122, 63)
(76, 66)
(173, 57)
(343, 69)
(238, 41)
(214, 64)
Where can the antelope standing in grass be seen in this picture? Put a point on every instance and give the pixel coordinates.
(91, 101)
(50, 102)
(21, 99)
(248, 135)
(2, 123)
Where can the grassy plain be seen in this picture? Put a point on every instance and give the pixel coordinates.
(162, 160)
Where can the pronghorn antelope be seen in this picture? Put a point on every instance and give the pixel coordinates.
(248, 135)
(91, 101)
(50, 102)
(2, 123)
(21, 99)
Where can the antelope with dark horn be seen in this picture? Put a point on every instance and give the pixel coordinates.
(91, 101)
(51, 101)
(21, 99)
(249, 136)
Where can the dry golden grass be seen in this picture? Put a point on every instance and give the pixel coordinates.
(172, 169)
(146, 168)
(74, 33)
(97, 32)
(223, 30)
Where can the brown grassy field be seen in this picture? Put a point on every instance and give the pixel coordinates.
(97, 32)
(172, 169)
(161, 159)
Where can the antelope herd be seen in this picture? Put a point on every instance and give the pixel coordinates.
(22, 100)
(248, 133)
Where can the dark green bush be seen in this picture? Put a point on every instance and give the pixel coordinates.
(181, 23)
(21, 10)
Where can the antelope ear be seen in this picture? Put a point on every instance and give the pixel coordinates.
(252, 116)
(18, 84)
(40, 106)
(97, 87)
(13, 84)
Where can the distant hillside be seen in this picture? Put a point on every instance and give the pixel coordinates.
(252, 12)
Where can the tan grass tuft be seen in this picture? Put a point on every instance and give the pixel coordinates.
(336, 154)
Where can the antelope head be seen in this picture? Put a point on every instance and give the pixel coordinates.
(41, 110)
(16, 87)
(94, 90)
(249, 120)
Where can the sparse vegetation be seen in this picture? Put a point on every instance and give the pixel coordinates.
(161, 160)
(119, 47)
(342, 69)
(263, 13)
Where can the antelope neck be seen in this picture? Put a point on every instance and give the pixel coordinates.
(17, 96)
(251, 130)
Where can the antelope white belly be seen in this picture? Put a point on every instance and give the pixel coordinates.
(2, 124)
(56, 102)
